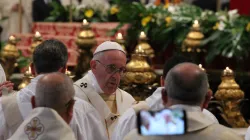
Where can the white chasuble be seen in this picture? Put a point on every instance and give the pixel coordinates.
(85, 90)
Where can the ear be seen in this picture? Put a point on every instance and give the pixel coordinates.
(207, 98)
(164, 96)
(33, 70)
(70, 110)
(162, 81)
(33, 102)
(62, 69)
(93, 65)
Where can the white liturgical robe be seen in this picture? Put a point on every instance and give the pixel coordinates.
(86, 123)
(88, 89)
(43, 124)
(2, 74)
(127, 121)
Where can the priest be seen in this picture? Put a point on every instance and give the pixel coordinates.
(100, 85)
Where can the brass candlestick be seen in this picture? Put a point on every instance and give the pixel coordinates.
(193, 39)
(143, 44)
(26, 79)
(9, 56)
(229, 93)
(85, 42)
(37, 39)
(119, 39)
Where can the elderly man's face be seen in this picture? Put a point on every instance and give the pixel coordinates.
(109, 69)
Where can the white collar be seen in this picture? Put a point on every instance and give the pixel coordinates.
(186, 107)
(94, 82)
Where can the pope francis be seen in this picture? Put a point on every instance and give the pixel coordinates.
(100, 85)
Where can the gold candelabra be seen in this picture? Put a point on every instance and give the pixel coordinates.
(193, 39)
(229, 94)
(9, 56)
(119, 39)
(26, 79)
(37, 39)
(138, 70)
(85, 42)
(143, 44)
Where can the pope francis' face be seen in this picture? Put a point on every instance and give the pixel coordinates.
(108, 70)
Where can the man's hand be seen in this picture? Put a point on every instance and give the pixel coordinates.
(7, 85)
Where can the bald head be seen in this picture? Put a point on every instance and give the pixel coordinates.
(54, 90)
(187, 83)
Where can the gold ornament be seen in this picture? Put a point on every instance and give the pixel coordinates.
(143, 44)
(193, 39)
(69, 73)
(37, 39)
(26, 79)
(138, 70)
(85, 42)
(9, 56)
(119, 39)
(229, 93)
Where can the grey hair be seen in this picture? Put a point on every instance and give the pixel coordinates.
(54, 90)
(190, 91)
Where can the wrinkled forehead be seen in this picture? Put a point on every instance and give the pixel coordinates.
(113, 57)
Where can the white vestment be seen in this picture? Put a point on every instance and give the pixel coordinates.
(11, 25)
(86, 123)
(127, 121)
(88, 89)
(43, 124)
(2, 74)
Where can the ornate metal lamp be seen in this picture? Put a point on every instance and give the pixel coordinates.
(143, 44)
(9, 56)
(119, 39)
(37, 39)
(193, 39)
(85, 42)
(229, 94)
(26, 79)
(140, 75)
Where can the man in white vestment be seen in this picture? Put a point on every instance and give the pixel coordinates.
(186, 88)
(49, 56)
(100, 85)
(10, 9)
(127, 121)
(53, 110)
(3, 83)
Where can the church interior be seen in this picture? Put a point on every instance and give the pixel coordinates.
(214, 34)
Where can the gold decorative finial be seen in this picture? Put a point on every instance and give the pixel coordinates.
(229, 93)
(27, 78)
(9, 55)
(119, 39)
(227, 72)
(144, 45)
(37, 39)
(193, 39)
(85, 42)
